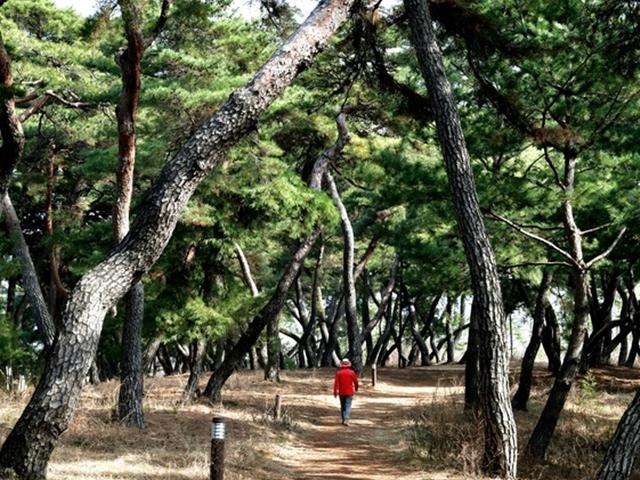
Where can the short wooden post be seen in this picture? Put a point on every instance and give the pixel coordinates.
(374, 375)
(217, 449)
(277, 411)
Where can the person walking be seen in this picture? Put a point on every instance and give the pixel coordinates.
(345, 385)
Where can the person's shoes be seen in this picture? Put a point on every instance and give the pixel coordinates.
(343, 421)
(346, 423)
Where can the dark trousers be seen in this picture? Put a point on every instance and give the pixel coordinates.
(345, 406)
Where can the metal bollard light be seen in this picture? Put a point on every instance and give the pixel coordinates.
(374, 375)
(217, 449)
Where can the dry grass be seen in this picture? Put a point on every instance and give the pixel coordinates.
(443, 437)
(412, 426)
(174, 445)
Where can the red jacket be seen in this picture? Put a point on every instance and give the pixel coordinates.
(346, 382)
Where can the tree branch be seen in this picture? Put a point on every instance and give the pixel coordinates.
(535, 237)
(41, 101)
(604, 254)
(160, 24)
(535, 264)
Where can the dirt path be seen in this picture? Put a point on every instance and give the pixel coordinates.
(372, 447)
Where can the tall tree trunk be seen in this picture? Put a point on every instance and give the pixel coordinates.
(348, 259)
(624, 447)
(601, 313)
(165, 360)
(130, 410)
(132, 374)
(551, 340)
(366, 314)
(521, 397)
(199, 351)
(29, 276)
(425, 359)
(149, 356)
(10, 126)
(449, 330)
(501, 449)
(543, 431)
(58, 294)
(271, 310)
(316, 316)
(471, 366)
(29, 445)
(272, 369)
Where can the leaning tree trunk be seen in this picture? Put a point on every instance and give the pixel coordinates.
(543, 431)
(270, 312)
(501, 448)
(521, 397)
(348, 278)
(624, 447)
(551, 340)
(471, 367)
(132, 372)
(30, 281)
(199, 350)
(33, 438)
(11, 151)
(272, 368)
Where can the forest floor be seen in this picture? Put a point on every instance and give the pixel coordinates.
(410, 426)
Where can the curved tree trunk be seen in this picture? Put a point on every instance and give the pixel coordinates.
(521, 397)
(624, 447)
(198, 353)
(271, 310)
(29, 276)
(132, 373)
(33, 438)
(348, 258)
(543, 431)
(551, 340)
(501, 448)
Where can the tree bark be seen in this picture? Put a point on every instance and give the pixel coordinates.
(131, 394)
(622, 452)
(30, 280)
(11, 150)
(551, 340)
(195, 369)
(543, 431)
(10, 126)
(425, 358)
(601, 313)
(130, 410)
(348, 258)
(58, 294)
(521, 397)
(267, 313)
(272, 369)
(449, 330)
(501, 450)
(30, 443)
(471, 366)
(149, 356)
(270, 312)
